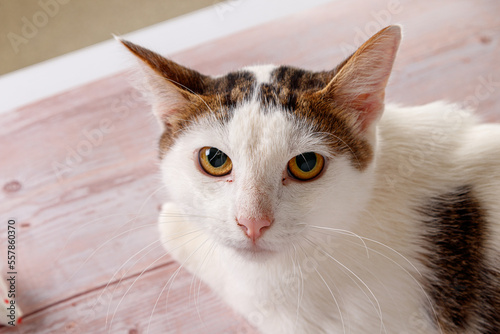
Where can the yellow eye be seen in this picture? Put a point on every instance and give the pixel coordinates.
(214, 161)
(306, 166)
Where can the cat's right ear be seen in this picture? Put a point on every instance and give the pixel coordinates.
(359, 86)
(167, 85)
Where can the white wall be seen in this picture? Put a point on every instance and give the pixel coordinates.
(88, 64)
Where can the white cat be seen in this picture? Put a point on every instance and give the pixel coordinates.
(309, 207)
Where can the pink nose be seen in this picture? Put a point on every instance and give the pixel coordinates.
(253, 227)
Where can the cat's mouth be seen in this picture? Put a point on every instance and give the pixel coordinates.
(251, 249)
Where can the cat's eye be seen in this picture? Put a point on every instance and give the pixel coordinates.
(306, 166)
(214, 161)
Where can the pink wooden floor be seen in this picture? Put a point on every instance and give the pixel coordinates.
(79, 170)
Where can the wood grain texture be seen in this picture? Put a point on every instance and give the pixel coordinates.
(79, 170)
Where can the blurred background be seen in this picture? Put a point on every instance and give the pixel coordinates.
(84, 23)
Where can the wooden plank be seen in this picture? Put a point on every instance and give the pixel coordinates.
(72, 217)
(149, 303)
(79, 169)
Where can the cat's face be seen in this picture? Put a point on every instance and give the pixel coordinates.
(260, 157)
(260, 143)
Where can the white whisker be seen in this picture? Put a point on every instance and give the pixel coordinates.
(345, 232)
(142, 273)
(334, 299)
(75, 231)
(341, 140)
(427, 297)
(195, 275)
(123, 265)
(377, 308)
(300, 287)
(104, 244)
(170, 282)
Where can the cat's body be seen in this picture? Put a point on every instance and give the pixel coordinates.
(426, 160)
(397, 233)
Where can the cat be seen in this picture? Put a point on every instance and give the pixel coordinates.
(311, 207)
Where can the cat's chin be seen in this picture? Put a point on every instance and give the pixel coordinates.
(254, 252)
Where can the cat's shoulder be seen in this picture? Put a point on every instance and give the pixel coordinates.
(438, 116)
(437, 147)
(442, 127)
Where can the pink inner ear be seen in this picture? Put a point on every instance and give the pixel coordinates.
(370, 107)
(360, 83)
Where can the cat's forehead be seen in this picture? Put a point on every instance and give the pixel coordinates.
(259, 78)
(273, 88)
(258, 133)
(264, 123)
(265, 83)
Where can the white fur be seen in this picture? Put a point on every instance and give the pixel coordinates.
(362, 275)
(262, 73)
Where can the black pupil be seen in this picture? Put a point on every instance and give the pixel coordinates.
(216, 157)
(306, 161)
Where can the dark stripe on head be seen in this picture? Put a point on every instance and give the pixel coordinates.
(463, 286)
(183, 95)
(216, 97)
(297, 79)
(293, 89)
(233, 88)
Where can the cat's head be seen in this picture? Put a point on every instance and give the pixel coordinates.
(259, 156)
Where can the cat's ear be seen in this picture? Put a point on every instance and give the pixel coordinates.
(168, 85)
(359, 86)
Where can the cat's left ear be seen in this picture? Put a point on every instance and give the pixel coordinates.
(358, 89)
(168, 86)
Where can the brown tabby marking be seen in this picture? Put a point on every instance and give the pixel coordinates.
(297, 91)
(203, 94)
(216, 97)
(463, 286)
